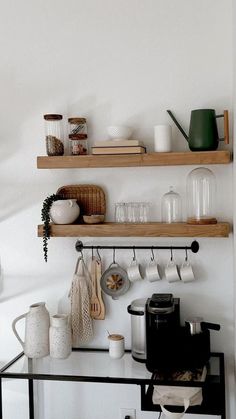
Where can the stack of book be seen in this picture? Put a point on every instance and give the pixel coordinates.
(118, 147)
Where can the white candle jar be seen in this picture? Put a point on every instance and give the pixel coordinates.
(116, 346)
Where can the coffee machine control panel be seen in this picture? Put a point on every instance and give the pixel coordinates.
(161, 300)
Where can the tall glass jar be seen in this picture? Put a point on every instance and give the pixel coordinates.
(201, 196)
(171, 207)
(54, 135)
(78, 143)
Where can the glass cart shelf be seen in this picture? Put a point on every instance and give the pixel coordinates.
(95, 365)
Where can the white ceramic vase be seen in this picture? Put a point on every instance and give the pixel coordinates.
(64, 211)
(37, 322)
(60, 336)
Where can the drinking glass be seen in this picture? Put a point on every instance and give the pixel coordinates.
(144, 212)
(132, 212)
(120, 212)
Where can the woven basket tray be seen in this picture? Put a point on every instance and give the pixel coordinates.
(91, 198)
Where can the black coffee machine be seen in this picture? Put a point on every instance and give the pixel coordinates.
(162, 324)
(170, 346)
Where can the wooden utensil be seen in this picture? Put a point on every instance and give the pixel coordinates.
(102, 313)
(94, 302)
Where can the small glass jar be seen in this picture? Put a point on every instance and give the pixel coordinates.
(201, 196)
(78, 143)
(171, 207)
(54, 135)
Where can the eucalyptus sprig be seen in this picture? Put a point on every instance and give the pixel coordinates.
(47, 203)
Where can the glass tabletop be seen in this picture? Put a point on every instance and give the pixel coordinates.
(88, 365)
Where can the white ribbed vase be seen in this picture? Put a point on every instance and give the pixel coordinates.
(60, 336)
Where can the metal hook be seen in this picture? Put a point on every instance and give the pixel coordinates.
(81, 254)
(186, 254)
(134, 257)
(114, 255)
(152, 256)
(99, 256)
(171, 253)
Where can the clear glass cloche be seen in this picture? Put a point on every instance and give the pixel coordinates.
(171, 207)
(201, 196)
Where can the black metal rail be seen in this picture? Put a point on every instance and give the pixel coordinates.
(194, 247)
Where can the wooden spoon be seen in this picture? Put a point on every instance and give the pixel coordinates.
(95, 307)
(102, 313)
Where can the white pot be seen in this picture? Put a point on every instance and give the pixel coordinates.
(36, 344)
(64, 211)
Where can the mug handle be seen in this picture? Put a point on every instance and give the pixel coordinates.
(226, 126)
(15, 331)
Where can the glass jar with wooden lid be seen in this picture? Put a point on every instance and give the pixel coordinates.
(78, 143)
(54, 135)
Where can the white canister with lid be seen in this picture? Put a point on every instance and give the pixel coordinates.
(116, 346)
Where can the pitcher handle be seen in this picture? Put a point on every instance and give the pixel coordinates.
(15, 331)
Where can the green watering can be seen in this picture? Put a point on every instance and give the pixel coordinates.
(203, 133)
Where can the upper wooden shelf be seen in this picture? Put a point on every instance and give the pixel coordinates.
(135, 160)
(153, 229)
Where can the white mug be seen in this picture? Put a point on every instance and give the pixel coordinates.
(163, 138)
(186, 272)
(133, 271)
(171, 272)
(153, 271)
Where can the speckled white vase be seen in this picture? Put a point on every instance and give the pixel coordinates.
(37, 322)
(60, 336)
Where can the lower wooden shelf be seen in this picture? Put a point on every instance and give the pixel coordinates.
(154, 229)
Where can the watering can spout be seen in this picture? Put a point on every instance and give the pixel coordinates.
(178, 125)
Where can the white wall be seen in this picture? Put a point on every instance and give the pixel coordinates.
(112, 62)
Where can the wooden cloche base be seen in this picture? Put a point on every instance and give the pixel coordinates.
(202, 221)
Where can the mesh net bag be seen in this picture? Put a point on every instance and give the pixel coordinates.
(80, 293)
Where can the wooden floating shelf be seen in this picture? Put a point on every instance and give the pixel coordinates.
(153, 229)
(135, 160)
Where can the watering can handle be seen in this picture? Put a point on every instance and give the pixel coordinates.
(226, 126)
(14, 328)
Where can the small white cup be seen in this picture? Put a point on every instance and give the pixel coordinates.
(171, 272)
(163, 138)
(133, 271)
(186, 272)
(116, 346)
(153, 272)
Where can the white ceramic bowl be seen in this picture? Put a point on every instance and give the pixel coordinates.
(119, 132)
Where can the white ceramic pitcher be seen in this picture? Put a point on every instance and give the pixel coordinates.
(64, 211)
(37, 322)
